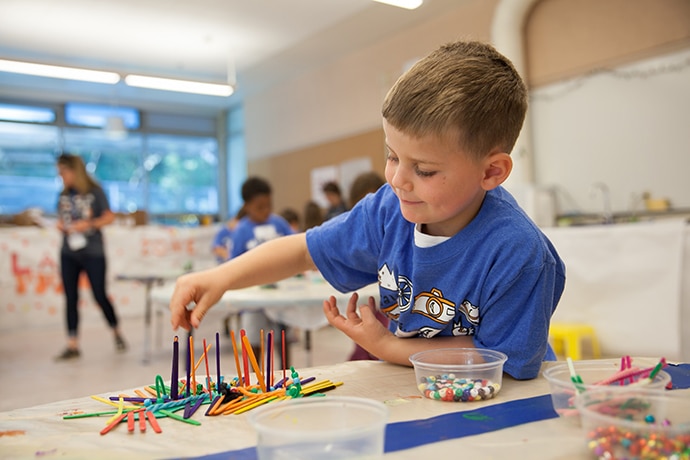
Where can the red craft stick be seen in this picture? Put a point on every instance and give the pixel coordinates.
(130, 421)
(114, 423)
(154, 423)
(142, 421)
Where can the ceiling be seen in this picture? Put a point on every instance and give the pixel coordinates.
(254, 42)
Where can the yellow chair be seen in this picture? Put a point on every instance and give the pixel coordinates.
(566, 339)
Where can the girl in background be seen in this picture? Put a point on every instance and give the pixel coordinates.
(83, 210)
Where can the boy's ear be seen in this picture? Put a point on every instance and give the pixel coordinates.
(497, 168)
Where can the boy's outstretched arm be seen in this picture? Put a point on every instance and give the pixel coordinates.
(365, 330)
(267, 263)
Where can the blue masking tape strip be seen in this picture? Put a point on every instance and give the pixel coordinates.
(413, 433)
(680, 375)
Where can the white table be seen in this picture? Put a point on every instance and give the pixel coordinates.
(296, 302)
(149, 280)
(41, 430)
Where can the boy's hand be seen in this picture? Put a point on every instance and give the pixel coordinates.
(195, 289)
(363, 327)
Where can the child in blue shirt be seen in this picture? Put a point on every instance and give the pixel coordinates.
(458, 263)
(258, 226)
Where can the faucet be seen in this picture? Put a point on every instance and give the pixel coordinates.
(607, 214)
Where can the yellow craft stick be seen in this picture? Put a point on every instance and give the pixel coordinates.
(114, 404)
(247, 402)
(255, 365)
(120, 406)
(255, 404)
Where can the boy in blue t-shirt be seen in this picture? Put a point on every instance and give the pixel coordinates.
(258, 226)
(458, 263)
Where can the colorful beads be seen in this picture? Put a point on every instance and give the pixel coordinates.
(612, 442)
(447, 387)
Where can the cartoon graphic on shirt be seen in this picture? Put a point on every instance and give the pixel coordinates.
(389, 300)
(434, 306)
(470, 311)
(471, 314)
(397, 298)
(387, 278)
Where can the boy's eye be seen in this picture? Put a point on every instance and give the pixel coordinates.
(391, 157)
(421, 173)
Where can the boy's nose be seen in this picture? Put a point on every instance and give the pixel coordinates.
(399, 180)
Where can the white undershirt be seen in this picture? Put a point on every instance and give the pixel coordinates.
(422, 240)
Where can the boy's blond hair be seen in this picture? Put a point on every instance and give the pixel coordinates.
(465, 89)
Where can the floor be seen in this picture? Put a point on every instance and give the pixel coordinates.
(29, 375)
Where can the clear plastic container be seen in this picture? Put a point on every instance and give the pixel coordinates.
(330, 427)
(459, 374)
(630, 422)
(592, 371)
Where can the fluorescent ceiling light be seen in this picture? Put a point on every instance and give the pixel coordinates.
(69, 73)
(407, 4)
(166, 84)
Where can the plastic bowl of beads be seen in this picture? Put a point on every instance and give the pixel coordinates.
(332, 427)
(628, 422)
(459, 374)
(596, 373)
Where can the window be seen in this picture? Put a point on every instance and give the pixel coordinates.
(115, 163)
(12, 112)
(98, 116)
(183, 174)
(173, 171)
(28, 175)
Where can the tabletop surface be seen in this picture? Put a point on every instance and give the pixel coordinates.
(42, 431)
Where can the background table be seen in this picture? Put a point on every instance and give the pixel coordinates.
(295, 302)
(149, 280)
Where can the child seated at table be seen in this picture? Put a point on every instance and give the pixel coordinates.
(458, 262)
(258, 225)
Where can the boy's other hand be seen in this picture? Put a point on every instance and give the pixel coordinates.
(363, 327)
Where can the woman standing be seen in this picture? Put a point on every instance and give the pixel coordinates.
(83, 210)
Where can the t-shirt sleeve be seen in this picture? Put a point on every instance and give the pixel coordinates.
(100, 202)
(345, 249)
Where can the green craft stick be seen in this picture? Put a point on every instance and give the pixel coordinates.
(177, 417)
(92, 414)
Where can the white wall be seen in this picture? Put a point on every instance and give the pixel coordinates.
(629, 133)
(629, 129)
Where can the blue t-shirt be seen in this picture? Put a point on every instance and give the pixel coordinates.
(249, 234)
(223, 238)
(498, 280)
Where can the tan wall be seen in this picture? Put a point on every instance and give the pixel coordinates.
(563, 38)
(289, 174)
(566, 38)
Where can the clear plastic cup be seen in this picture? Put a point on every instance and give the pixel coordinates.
(330, 427)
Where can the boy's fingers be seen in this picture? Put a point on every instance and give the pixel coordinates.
(351, 311)
(330, 310)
